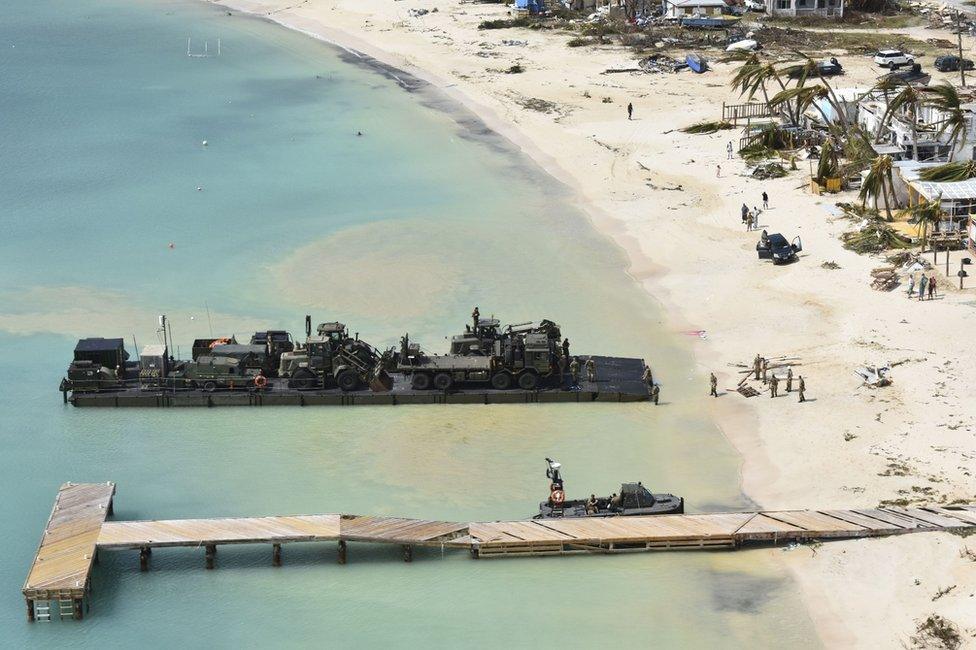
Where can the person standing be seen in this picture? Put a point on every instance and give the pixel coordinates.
(476, 316)
(750, 221)
(655, 393)
(789, 380)
(718, 171)
(566, 348)
(630, 111)
(574, 371)
(765, 370)
(590, 370)
(648, 376)
(757, 366)
(801, 386)
(922, 281)
(911, 284)
(729, 149)
(713, 382)
(773, 386)
(745, 211)
(932, 287)
(765, 198)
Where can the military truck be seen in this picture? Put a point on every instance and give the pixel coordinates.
(525, 360)
(210, 372)
(331, 358)
(95, 365)
(276, 343)
(482, 339)
(254, 357)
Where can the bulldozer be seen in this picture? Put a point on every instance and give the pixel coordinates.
(331, 358)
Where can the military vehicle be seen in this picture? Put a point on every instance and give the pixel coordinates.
(527, 360)
(634, 500)
(332, 358)
(95, 365)
(254, 357)
(203, 346)
(210, 372)
(482, 340)
(276, 343)
(154, 366)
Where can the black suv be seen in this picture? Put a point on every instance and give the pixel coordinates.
(950, 63)
(775, 247)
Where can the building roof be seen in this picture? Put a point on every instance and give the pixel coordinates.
(960, 191)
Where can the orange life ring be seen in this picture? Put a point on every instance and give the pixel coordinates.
(557, 496)
(260, 381)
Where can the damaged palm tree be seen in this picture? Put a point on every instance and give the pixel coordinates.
(952, 172)
(875, 237)
(704, 128)
(945, 98)
(753, 76)
(810, 68)
(926, 215)
(908, 100)
(879, 183)
(829, 165)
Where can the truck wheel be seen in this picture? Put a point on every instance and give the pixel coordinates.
(302, 379)
(420, 381)
(347, 380)
(501, 381)
(528, 381)
(209, 386)
(443, 381)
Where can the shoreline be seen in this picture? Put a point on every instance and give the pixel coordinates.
(834, 317)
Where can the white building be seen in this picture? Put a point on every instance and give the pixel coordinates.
(797, 8)
(689, 8)
(933, 146)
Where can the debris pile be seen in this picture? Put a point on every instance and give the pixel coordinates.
(661, 63)
(769, 170)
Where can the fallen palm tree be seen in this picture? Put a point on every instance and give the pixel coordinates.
(952, 172)
(875, 237)
(704, 128)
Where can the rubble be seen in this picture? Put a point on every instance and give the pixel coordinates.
(661, 63)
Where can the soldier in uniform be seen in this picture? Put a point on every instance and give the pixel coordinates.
(757, 366)
(713, 381)
(765, 369)
(648, 376)
(789, 380)
(476, 316)
(590, 369)
(801, 386)
(591, 507)
(655, 393)
(773, 386)
(574, 371)
(566, 348)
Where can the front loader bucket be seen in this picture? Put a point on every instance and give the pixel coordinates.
(381, 382)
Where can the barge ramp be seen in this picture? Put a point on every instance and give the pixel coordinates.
(618, 379)
(77, 531)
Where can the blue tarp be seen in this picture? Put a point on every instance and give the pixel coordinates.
(532, 6)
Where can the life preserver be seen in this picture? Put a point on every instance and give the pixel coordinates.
(260, 381)
(557, 496)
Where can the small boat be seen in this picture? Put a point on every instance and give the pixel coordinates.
(633, 500)
(745, 45)
(696, 62)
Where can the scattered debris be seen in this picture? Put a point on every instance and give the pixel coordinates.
(937, 632)
(885, 278)
(830, 266)
(875, 376)
(704, 128)
(515, 69)
(512, 43)
(661, 63)
(942, 592)
(769, 170)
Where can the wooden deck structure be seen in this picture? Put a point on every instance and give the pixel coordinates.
(77, 530)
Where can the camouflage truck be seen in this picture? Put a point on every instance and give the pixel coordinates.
(95, 365)
(488, 336)
(210, 372)
(331, 358)
(527, 361)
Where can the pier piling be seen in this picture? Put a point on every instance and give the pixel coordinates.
(276, 555)
(407, 553)
(211, 551)
(144, 554)
(342, 551)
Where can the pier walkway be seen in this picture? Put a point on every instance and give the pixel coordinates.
(77, 530)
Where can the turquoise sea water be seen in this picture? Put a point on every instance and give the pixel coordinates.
(102, 118)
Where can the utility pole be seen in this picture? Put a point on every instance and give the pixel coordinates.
(962, 68)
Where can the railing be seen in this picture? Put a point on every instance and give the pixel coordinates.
(735, 112)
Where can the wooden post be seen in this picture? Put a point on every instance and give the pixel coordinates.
(407, 553)
(211, 551)
(276, 555)
(78, 613)
(30, 610)
(342, 551)
(474, 553)
(144, 554)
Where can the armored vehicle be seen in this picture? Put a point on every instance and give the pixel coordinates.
(211, 372)
(96, 365)
(332, 358)
(634, 499)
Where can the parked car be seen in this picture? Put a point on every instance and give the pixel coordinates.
(893, 59)
(775, 247)
(950, 63)
(827, 68)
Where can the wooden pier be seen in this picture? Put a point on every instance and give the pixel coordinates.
(77, 530)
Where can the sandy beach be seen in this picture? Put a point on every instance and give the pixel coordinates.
(660, 195)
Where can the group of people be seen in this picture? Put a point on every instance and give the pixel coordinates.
(760, 366)
(751, 217)
(574, 366)
(926, 283)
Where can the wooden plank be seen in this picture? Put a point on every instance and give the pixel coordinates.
(933, 518)
(813, 520)
(965, 516)
(894, 519)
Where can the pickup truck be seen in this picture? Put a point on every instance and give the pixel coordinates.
(775, 247)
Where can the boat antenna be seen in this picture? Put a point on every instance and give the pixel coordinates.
(209, 322)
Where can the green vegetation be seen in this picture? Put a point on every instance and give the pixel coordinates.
(703, 128)
(950, 172)
(578, 42)
(875, 237)
(937, 632)
(505, 23)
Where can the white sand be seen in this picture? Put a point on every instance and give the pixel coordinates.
(689, 249)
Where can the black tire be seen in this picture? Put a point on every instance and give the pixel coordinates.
(302, 379)
(443, 381)
(347, 380)
(420, 381)
(501, 381)
(528, 380)
(209, 386)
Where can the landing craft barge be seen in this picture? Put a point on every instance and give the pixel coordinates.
(487, 364)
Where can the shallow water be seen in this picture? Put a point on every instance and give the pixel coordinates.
(402, 229)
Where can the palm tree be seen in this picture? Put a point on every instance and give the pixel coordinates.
(804, 96)
(753, 76)
(878, 182)
(925, 215)
(945, 98)
(950, 172)
(807, 68)
(908, 100)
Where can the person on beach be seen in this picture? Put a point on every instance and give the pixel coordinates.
(630, 111)
(729, 149)
(713, 382)
(773, 386)
(765, 370)
(718, 171)
(911, 284)
(757, 366)
(574, 371)
(750, 221)
(765, 198)
(590, 369)
(789, 380)
(800, 387)
(932, 286)
(655, 393)
(745, 212)
(922, 281)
